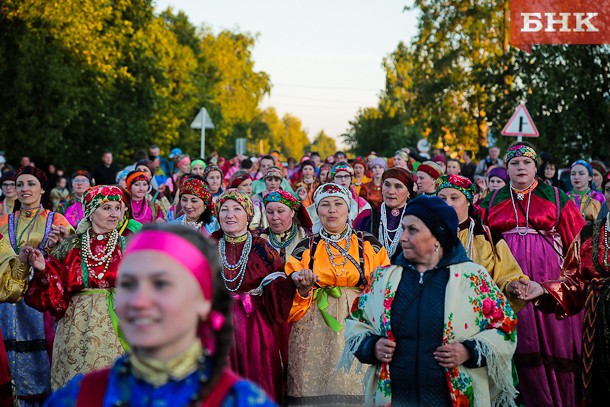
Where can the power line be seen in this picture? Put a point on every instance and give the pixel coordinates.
(313, 99)
(327, 87)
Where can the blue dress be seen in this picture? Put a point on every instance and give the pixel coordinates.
(143, 394)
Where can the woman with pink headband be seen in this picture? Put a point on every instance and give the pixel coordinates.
(175, 316)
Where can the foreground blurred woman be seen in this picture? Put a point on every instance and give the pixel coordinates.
(434, 327)
(176, 319)
(76, 286)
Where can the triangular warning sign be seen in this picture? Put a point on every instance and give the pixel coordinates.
(521, 124)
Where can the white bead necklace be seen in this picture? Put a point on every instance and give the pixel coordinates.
(527, 213)
(240, 265)
(337, 239)
(91, 260)
(193, 225)
(390, 244)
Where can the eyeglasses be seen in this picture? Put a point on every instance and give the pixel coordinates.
(8, 185)
(343, 177)
(80, 181)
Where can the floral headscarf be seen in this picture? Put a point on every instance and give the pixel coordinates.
(196, 186)
(238, 177)
(274, 172)
(520, 150)
(284, 197)
(331, 189)
(599, 167)
(359, 160)
(462, 184)
(337, 168)
(95, 197)
(238, 196)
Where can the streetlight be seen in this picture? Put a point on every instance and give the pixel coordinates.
(202, 121)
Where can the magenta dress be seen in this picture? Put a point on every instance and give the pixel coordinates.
(259, 316)
(548, 349)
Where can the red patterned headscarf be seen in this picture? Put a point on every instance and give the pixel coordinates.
(96, 196)
(196, 186)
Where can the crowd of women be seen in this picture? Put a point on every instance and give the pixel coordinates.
(234, 287)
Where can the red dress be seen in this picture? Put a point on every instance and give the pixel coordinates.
(258, 318)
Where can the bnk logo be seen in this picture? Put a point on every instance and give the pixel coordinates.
(559, 22)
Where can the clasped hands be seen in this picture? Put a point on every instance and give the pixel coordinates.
(447, 356)
(525, 289)
(31, 256)
(304, 280)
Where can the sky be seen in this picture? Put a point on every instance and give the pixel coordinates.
(324, 57)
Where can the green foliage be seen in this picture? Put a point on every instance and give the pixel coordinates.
(324, 144)
(459, 81)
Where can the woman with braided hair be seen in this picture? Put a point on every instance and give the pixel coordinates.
(176, 318)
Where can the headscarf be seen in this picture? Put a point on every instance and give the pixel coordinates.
(520, 150)
(606, 180)
(121, 174)
(358, 160)
(403, 176)
(402, 153)
(337, 168)
(331, 189)
(499, 172)
(238, 196)
(589, 170)
(599, 166)
(462, 184)
(198, 161)
(283, 197)
(238, 177)
(431, 168)
(439, 217)
(135, 176)
(439, 159)
(196, 186)
(36, 173)
(81, 173)
(148, 164)
(380, 161)
(212, 168)
(274, 172)
(306, 163)
(95, 197)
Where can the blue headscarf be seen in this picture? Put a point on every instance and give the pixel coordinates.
(589, 169)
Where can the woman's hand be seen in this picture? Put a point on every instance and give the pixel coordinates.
(534, 290)
(24, 254)
(304, 280)
(302, 193)
(452, 355)
(519, 287)
(57, 235)
(384, 350)
(36, 260)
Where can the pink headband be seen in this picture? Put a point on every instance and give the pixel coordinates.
(185, 159)
(179, 249)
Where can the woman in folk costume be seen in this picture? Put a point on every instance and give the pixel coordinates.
(241, 180)
(371, 191)
(213, 175)
(28, 333)
(583, 193)
(360, 177)
(288, 222)
(73, 208)
(585, 283)
(252, 272)
(143, 209)
(14, 274)
(434, 327)
(398, 187)
(196, 203)
(539, 222)
(307, 183)
(7, 182)
(330, 270)
(483, 246)
(176, 318)
(76, 285)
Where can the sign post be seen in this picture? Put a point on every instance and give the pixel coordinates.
(520, 124)
(202, 121)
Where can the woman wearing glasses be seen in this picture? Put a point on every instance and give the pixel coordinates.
(8, 192)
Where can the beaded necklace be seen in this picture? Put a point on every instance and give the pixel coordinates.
(90, 260)
(279, 243)
(240, 265)
(29, 227)
(527, 211)
(521, 192)
(334, 240)
(384, 232)
(193, 225)
(470, 238)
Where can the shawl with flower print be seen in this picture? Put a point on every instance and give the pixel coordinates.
(475, 309)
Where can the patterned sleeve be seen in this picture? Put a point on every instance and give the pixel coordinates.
(13, 274)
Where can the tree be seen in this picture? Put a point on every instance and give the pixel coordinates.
(324, 144)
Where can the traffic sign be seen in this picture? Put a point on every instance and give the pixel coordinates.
(521, 124)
